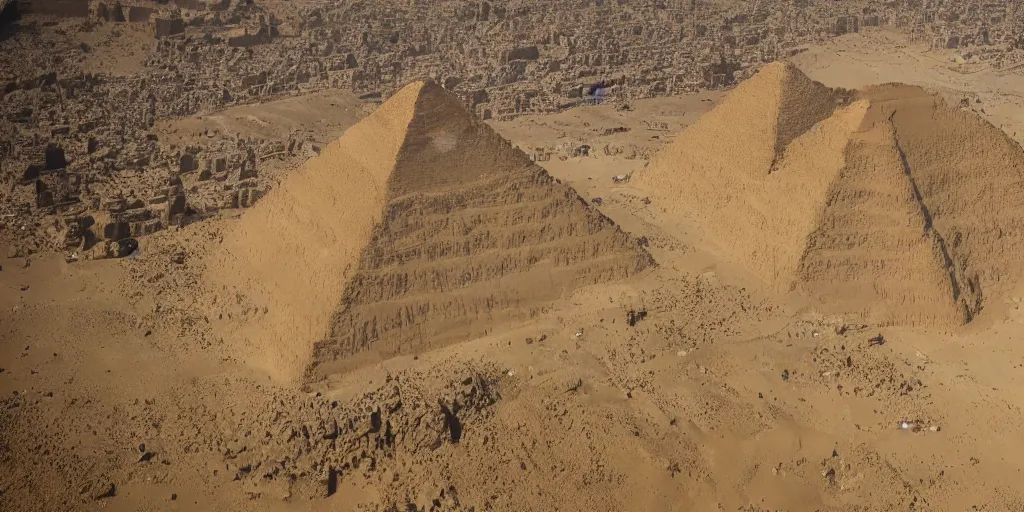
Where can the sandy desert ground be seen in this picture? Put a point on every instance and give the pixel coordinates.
(759, 302)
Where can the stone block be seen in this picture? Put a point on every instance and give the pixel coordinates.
(137, 14)
(169, 27)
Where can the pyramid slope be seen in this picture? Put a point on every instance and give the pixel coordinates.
(293, 252)
(970, 178)
(476, 235)
(802, 103)
(724, 173)
(884, 208)
(420, 226)
(756, 122)
(873, 248)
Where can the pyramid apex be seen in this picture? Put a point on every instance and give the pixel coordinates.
(777, 77)
(358, 237)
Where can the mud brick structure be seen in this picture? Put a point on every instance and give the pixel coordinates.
(501, 58)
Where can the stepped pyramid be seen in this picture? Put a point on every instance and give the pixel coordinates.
(419, 227)
(888, 203)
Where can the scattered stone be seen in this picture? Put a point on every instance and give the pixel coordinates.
(332, 481)
(109, 493)
(785, 375)
(632, 317)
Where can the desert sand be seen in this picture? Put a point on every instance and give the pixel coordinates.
(807, 299)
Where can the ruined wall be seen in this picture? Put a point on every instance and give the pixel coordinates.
(502, 58)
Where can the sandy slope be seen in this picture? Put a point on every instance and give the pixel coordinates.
(120, 393)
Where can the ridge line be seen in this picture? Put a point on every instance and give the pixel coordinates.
(954, 277)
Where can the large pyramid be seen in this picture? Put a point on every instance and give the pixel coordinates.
(419, 227)
(887, 203)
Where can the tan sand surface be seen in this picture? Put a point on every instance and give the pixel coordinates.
(794, 298)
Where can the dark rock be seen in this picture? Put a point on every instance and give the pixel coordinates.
(187, 163)
(169, 27)
(124, 247)
(332, 481)
(452, 424)
(632, 317)
(526, 53)
(55, 158)
(109, 493)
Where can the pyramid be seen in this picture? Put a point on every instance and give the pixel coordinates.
(418, 228)
(761, 117)
(887, 203)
